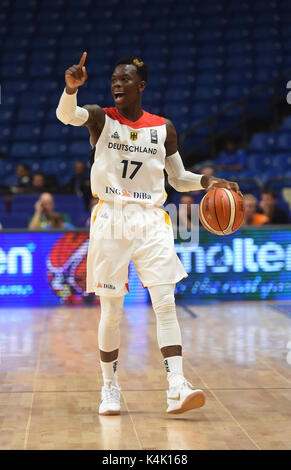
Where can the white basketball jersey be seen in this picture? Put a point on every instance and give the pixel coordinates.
(130, 158)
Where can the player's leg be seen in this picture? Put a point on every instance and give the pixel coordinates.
(181, 395)
(109, 342)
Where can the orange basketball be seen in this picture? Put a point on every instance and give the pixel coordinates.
(221, 211)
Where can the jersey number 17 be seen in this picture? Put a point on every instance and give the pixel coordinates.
(125, 167)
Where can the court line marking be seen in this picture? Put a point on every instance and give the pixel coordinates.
(274, 370)
(133, 425)
(98, 390)
(27, 429)
(225, 409)
(36, 371)
(188, 310)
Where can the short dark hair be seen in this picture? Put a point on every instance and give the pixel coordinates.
(270, 191)
(231, 138)
(39, 173)
(25, 166)
(140, 65)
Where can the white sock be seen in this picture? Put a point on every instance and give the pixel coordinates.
(174, 368)
(109, 372)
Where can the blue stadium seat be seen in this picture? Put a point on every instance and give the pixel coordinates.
(281, 163)
(262, 143)
(6, 169)
(55, 131)
(285, 31)
(208, 35)
(206, 93)
(33, 100)
(19, 29)
(201, 110)
(19, 220)
(201, 58)
(24, 203)
(9, 180)
(206, 79)
(6, 116)
(268, 60)
(53, 149)
(193, 140)
(211, 63)
(54, 166)
(259, 108)
(23, 150)
(69, 200)
(283, 142)
(14, 57)
(5, 133)
(16, 87)
(40, 70)
(177, 37)
(12, 42)
(249, 184)
(2, 205)
(42, 55)
(78, 133)
(45, 43)
(176, 94)
(50, 115)
(45, 16)
(26, 132)
(79, 149)
(34, 165)
(265, 32)
(73, 41)
(257, 163)
(52, 28)
(286, 124)
(71, 205)
(237, 34)
(30, 115)
(12, 70)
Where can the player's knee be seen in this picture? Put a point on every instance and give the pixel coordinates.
(111, 312)
(165, 307)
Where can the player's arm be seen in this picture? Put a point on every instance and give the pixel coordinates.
(183, 180)
(68, 111)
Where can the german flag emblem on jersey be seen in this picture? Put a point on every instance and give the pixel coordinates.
(133, 135)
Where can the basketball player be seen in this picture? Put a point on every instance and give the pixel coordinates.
(131, 150)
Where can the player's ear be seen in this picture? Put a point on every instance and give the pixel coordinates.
(142, 85)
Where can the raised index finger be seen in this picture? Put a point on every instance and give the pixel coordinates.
(83, 58)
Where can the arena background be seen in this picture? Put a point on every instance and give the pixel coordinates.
(215, 69)
(39, 269)
(218, 69)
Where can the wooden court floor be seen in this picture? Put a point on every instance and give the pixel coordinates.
(50, 379)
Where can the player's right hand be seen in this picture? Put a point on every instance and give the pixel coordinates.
(76, 75)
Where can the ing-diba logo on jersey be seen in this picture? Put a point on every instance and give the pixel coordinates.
(125, 193)
(105, 286)
(133, 136)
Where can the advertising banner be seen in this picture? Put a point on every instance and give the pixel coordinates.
(49, 268)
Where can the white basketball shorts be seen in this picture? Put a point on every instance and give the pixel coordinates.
(120, 233)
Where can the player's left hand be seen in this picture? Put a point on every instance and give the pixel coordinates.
(221, 183)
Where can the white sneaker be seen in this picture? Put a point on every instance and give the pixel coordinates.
(184, 397)
(110, 400)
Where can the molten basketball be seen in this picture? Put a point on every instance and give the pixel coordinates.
(221, 211)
